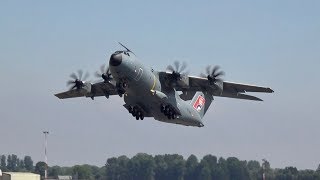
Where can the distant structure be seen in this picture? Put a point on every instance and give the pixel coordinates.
(19, 176)
(64, 177)
(45, 153)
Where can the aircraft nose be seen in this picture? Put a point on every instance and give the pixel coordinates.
(115, 59)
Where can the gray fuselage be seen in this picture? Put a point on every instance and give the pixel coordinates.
(143, 89)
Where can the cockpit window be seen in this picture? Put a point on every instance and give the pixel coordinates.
(124, 52)
(118, 52)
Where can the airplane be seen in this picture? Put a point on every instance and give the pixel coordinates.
(170, 96)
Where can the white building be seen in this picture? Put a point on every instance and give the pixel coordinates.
(19, 176)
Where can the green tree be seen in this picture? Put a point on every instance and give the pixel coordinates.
(117, 168)
(266, 168)
(254, 169)
(288, 173)
(81, 172)
(222, 171)
(28, 163)
(21, 166)
(95, 172)
(160, 167)
(191, 168)
(307, 175)
(40, 168)
(175, 166)
(54, 171)
(12, 162)
(212, 163)
(3, 163)
(237, 169)
(141, 167)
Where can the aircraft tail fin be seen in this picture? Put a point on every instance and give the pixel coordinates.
(201, 102)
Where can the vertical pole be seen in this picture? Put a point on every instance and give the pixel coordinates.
(45, 153)
(263, 169)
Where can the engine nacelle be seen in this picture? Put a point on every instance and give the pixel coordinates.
(87, 87)
(183, 82)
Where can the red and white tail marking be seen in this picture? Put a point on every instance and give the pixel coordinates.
(199, 104)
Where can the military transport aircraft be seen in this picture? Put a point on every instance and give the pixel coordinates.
(170, 96)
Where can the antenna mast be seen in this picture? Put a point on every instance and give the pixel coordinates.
(45, 153)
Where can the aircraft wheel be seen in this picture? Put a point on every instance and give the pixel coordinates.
(141, 117)
(130, 109)
(162, 108)
(137, 117)
(167, 109)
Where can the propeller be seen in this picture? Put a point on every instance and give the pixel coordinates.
(104, 73)
(178, 69)
(213, 74)
(78, 80)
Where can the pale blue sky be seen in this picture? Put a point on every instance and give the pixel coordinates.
(271, 43)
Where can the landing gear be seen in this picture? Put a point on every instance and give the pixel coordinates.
(168, 111)
(136, 112)
(121, 88)
(120, 92)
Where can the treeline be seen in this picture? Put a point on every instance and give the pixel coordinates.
(14, 164)
(165, 167)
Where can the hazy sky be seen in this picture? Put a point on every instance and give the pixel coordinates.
(269, 43)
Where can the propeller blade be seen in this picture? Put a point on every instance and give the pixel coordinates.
(70, 82)
(108, 72)
(186, 73)
(73, 76)
(183, 67)
(86, 76)
(80, 72)
(213, 74)
(97, 74)
(203, 75)
(208, 71)
(72, 87)
(176, 66)
(170, 68)
(102, 68)
(215, 68)
(221, 73)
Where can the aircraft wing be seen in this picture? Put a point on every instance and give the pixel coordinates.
(90, 90)
(224, 89)
(242, 88)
